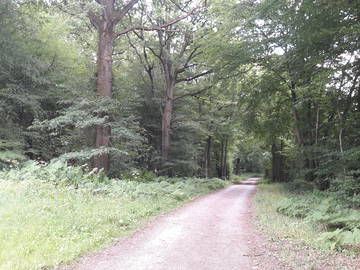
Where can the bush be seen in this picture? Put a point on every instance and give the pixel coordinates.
(299, 186)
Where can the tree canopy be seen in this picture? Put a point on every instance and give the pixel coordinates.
(183, 88)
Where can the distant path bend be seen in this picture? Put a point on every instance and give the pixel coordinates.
(212, 232)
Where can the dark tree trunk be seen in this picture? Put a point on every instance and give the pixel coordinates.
(278, 165)
(207, 157)
(223, 169)
(237, 166)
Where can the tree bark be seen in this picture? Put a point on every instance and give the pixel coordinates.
(104, 82)
(170, 81)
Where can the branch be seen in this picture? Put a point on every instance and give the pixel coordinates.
(192, 55)
(193, 94)
(194, 77)
(154, 28)
(101, 2)
(120, 15)
(95, 21)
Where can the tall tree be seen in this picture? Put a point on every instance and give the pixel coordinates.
(111, 19)
(177, 52)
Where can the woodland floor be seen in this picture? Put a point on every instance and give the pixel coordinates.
(214, 232)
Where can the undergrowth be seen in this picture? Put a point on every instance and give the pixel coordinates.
(321, 219)
(52, 214)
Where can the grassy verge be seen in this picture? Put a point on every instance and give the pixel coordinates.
(44, 224)
(314, 218)
(275, 224)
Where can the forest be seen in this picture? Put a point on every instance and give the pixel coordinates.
(169, 99)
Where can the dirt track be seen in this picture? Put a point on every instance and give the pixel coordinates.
(211, 233)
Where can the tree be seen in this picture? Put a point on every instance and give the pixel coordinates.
(107, 18)
(176, 50)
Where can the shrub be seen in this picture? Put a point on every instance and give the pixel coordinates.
(299, 186)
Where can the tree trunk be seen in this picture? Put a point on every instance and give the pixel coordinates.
(207, 157)
(168, 110)
(223, 170)
(278, 166)
(237, 166)
(104, 87)
(299, 137)
(225, 165)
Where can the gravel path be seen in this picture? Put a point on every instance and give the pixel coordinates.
(213, 232)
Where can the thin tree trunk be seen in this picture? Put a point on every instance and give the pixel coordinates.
(220, 162)
(296, 115)
(226, 167)
(207, 156)
(340, 132)
(224, 159)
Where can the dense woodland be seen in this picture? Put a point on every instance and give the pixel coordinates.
(184, 88)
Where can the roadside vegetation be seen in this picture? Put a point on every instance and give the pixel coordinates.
(322, 219)
(52, 214)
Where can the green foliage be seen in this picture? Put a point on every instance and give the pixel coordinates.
(339, 238)
(294, 207)
(11, 153)
(299, 186)
(329, 212)
(347, 189)
(56, 172)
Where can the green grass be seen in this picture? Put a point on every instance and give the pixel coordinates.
(43, 224)
(278, 225)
